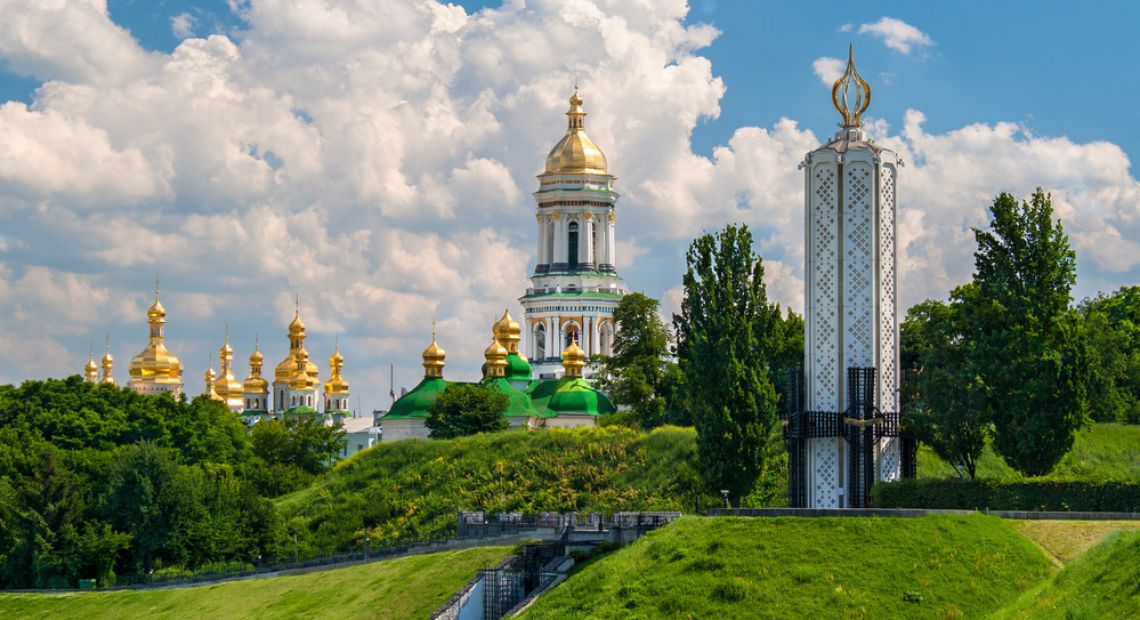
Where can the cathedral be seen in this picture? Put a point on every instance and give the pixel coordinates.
(575, 286)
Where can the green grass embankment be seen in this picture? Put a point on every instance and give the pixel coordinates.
(1100, 452)
(408, 587)
(931, 567)
(413, 489)
(1102, 584)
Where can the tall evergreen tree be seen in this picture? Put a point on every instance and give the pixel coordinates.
(1028, 350)
(722, 332)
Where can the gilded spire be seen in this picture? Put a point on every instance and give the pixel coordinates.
(434, 357)
(108, 364)
(209, 378)
(576, 153)
(227, 386)
(255, 383)
(91, 369)
(573, 359)
(287, 368)
(336, 383)
(496, 357)
(155, 368)
(851, 111)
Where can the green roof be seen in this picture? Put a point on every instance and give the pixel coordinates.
(540, 391)
(576, 395)
(415, 404)
(520, 405)
(518, 369)
(296, 410)
(575, 294)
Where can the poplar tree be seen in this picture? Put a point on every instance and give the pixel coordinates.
(1027, 345)
(723, 337)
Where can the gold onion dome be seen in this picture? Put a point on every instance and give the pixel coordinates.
(156, 364)
(508, 332)
(209, 378)
(434, 358)
(287, 368)
(301, 379)
(576, 153)
(336, 383)
(91, 369)
(255, 383)
(573, 359)
(227, 386)
(108, 367)
(496, 357)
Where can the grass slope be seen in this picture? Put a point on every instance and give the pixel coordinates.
(409, 587)
(1066, 540)
(1101, 584)
(1100, 452)
(932, 567)
(413, 489)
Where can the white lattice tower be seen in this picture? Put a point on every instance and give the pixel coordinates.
(851, 304)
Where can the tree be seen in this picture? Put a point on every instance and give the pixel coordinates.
(301, 440)
(1027, 344)
(640, 374)
(722, 346)
(943, 398)
(1112, 330)
(467, 409)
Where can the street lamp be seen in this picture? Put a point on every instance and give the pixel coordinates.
(724, 495)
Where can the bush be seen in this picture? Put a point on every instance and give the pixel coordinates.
(1028, 494)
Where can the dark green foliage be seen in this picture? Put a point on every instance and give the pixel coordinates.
(640, 374)
(725, 349)
(97, 481)
(466, 409)
(1112, 332)
(1026, 345)
(943, 401)
(413, 489)
(301, 440)
(998, 494)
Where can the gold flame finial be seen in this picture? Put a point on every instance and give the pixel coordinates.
(851, 111)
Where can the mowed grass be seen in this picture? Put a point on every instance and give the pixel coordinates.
(932, 567)
(1100, 452)
(1102, 584)
(408, 587)
(1067, 540)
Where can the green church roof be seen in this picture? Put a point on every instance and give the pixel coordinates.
(576, 395)
(520, 405)
(518, 369)
(415, 404)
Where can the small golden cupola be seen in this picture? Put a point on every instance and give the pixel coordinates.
(227, 386)
(509, 333)
(573, 360)
(496, 358)
(209, 379)
(255, 384)
(301, 379)
(91, 369)
(434, 357)
(287, 368)
(336, 383)
(576, 153)
(108, 365)
(155, 369)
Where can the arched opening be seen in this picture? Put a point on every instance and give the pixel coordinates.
(572, 246)
(549, 258)
(605, 338)
(539, 342)
(570, 334)
(596, 258)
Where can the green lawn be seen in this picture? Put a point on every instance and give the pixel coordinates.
(409, 587)
(1100, 452)
(1102, 584)
(932, 567)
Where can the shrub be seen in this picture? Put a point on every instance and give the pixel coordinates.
(993, 494)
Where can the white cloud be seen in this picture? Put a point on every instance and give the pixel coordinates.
(897, 34)
(827, 69)
(377, 159)
(182, 25)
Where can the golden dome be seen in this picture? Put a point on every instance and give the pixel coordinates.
(287, 368)
(434, 357)
(302, 379)
(227, 386)
(155, 365)
(108, 366)
(509, 332)
(576, 153)
(208, 378)
(255, 383)
(496, 357)
(573, 359)
(91, 370)
(336, 383)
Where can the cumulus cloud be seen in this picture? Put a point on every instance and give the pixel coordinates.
(182, 25)
(897, 34)
(377, 160)
(827, 69)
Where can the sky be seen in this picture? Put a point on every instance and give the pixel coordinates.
(376, 158)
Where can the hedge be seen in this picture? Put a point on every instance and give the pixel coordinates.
(997, 494)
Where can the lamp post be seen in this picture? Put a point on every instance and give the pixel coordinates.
(724, 495)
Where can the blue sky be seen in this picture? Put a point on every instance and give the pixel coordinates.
(377, 158)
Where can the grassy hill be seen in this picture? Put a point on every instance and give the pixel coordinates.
(1104, 583)
(413, 489)
(932, 567)
(1100, 452)
(409, 587)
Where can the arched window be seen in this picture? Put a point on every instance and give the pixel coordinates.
(570, 334)
(596, 258)
(572, 246)
(606, 338)
(539, 342)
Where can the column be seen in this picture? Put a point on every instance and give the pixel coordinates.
(586, 244)
(552, 338)
(540, 258)
(610, 253)
(559, 241)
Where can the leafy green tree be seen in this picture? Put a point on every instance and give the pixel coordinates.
(301, 440)
(722, 345)
(467, 409)
(943, 398)
(1112, 330)
(640, 374)
(146, 499)
(1027, 344)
